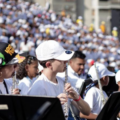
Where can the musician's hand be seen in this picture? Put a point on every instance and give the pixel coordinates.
(63, 98)
(71, 92)
(16, 91)
(118, 115)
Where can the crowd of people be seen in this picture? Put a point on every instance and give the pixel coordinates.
(54, 41)
(25, 25)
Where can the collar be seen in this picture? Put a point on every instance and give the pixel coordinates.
(72, 71)
(31, 80)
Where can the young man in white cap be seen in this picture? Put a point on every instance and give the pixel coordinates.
(53, 57)
(76, 75)
(92, 93)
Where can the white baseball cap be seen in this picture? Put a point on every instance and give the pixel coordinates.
(102, 71)
(117, 77)
(51, 49)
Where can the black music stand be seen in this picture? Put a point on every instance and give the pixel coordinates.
(26, 108)
(111, 108)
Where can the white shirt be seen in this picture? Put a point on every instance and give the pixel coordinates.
(25, 47)
(73, 78)
(4, 39)
(93, 98)
(9, 87)
(25, 84)
(44, 87)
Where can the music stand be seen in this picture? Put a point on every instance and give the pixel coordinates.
(26, 107)
(111, 108)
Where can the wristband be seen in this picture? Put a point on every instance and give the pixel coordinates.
(77, 99)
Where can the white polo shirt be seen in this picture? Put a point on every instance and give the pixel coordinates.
(94, 99)
(25, 84)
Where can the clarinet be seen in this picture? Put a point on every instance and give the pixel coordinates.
(102, 96)
(66, 105)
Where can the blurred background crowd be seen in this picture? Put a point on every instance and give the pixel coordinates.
(25, 25)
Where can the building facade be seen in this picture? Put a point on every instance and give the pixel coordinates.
(92, 11)
(69, 6)
(107, 11)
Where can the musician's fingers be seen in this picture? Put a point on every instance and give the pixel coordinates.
(67, 85)
(62, 102)
(16, 91)
(63, 98)
(69, 89)
(71, 93)
(62, 95)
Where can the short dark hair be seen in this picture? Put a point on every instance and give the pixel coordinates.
(78, 54)
(43, 63)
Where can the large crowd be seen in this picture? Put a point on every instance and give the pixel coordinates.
(26, 25)
(54, 41)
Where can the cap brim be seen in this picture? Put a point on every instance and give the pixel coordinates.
(20, 58)
(109, 73)
(65, 56)
(13, 61)
(25, 54)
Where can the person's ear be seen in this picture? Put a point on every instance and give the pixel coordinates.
(48, 64)
(26, 67)
(118, 83)
(103, 78)
(71, 62)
